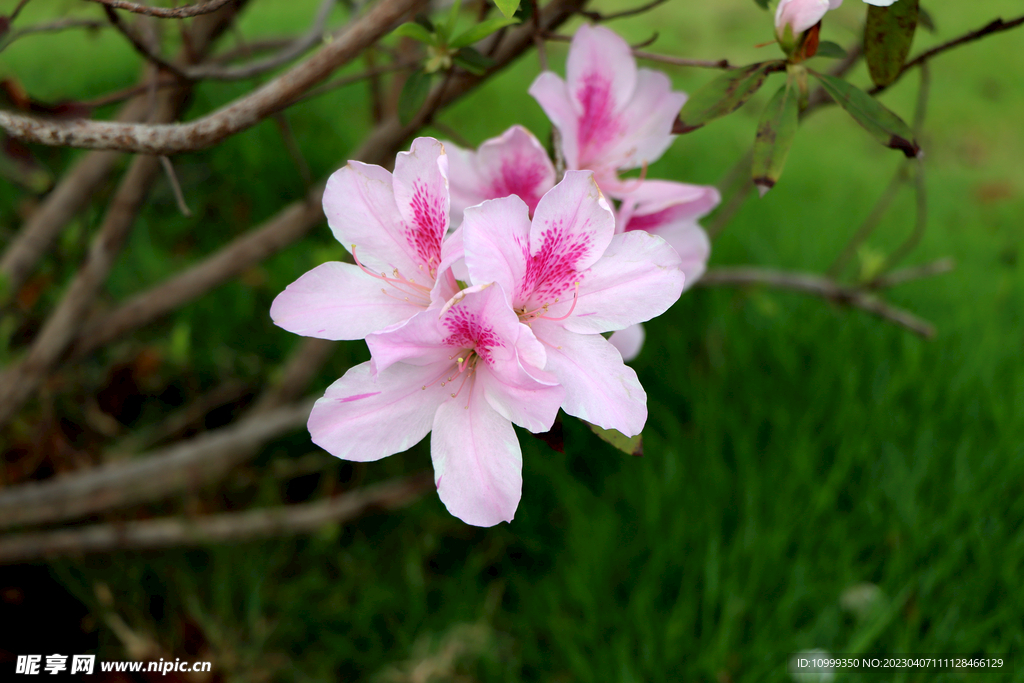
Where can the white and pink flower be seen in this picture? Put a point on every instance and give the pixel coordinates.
(611, 116)
(570, 278)
(466, 373)
(395, 227)
(514, 163)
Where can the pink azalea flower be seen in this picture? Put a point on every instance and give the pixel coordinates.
(611, 116)
(467, 372)
(394, 226)
(669, 210)
(570, 278)
(801, 14)
(513, 164)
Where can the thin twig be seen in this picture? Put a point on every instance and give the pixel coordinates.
(291, 145)
(823, 287)
(290, 52)
(120, 483)
(51, 27)
(680, 61)
(163, 12)
(904, 275)
(17, 10)
(871, 222)
(599, 17)
(140, 46)
(172, 178)
(218, 528)
(993, 27)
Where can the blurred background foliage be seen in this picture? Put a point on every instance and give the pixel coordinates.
(812, 477)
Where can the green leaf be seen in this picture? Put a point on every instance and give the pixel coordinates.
(763, 4)
(411, 29)
(887, 38)
(472, 61)
(775, 133)
(507, 7)
(453, 16)
(830, 50)
(885, 126)
(722, 96)
(630, 445)
(481, 31)
(414, 94)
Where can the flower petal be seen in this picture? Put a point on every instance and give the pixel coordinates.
(359, 202)
(637, 279)
(477, 461)
(693, 246)
(599, 387)
(364, 420)
(629, 341)
(337, 301)
(800, 14)
(495, 237)
(649, 204)
(601, 79)
(521, 396)
(552, 95)
(571, 229)
(421, 193)
(648, 118)
(513, 164)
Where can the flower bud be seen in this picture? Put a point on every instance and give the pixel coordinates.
(801, 15)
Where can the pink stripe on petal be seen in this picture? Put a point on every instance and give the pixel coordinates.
(356, 397)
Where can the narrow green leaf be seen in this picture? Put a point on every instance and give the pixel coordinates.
(775, 133)
(472, 61)
(453, 16)
(885, 126)
(481, 31)
(414, 94)
(411, 29)
(830, 50)
(507, 7)
(887, 38)
(722, 96)
(630, 445)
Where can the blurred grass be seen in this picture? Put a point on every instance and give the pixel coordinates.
(794, 449)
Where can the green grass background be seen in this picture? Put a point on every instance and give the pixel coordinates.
(794, 449)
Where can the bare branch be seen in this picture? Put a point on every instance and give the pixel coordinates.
(290, 224)
(240, 115)
(162, 12)
(79, 184)
(818, 286)
(191, 463)
(227, 526)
